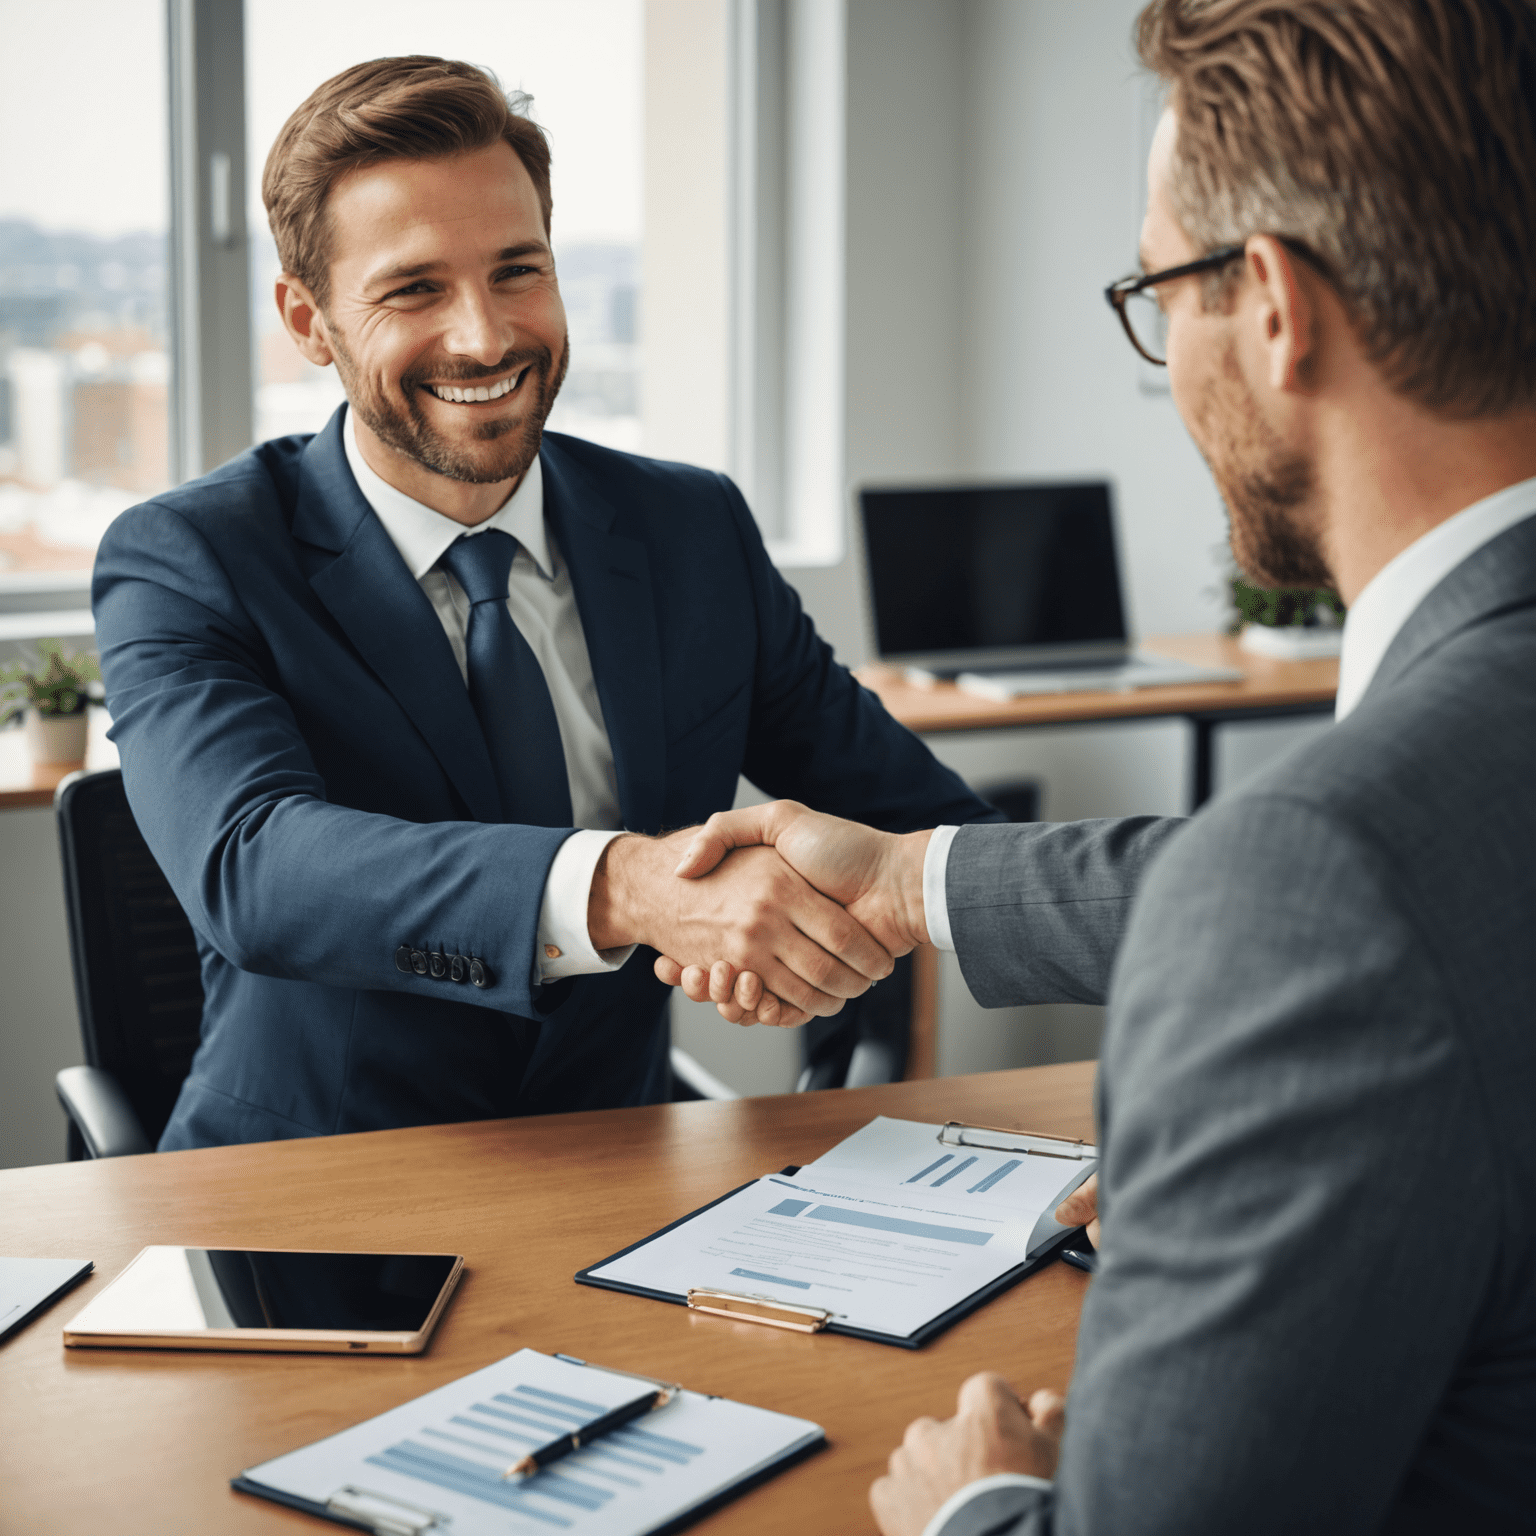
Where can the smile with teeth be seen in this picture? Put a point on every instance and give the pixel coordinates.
(474, 394)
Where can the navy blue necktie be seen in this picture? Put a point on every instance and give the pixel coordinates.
(507, 687)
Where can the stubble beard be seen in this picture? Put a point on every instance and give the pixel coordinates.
(1270, 490)
(509, 447)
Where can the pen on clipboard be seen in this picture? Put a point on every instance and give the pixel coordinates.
(660, 1394)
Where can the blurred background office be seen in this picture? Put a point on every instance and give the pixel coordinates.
(814, 243)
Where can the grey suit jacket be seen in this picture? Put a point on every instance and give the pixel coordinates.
(1316, 1307)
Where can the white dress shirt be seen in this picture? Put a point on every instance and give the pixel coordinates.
(1372, 624)
(543, 606)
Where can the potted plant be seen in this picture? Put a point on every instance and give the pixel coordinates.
(1289, 623)
(52, 691)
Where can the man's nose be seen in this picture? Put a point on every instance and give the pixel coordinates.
(478, 330)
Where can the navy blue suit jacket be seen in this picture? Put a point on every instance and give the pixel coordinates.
(301, 754)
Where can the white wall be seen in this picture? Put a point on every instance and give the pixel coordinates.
(1053, 172)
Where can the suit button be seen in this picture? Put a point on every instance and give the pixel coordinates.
(438, 965)
(458, 968)
(403, 958)
(551, 951)
(418, 962)
(479, 972)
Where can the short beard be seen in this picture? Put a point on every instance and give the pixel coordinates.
(405, 427)
(1270, 491)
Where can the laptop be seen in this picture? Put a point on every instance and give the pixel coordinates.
(1007, 590)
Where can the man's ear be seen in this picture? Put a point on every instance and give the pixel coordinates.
(1285, 315)
(303, 320)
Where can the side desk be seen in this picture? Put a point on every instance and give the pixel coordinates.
(144, 1441)
(27, 785)
(1269, 690)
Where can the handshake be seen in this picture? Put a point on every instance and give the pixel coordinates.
(776, 914)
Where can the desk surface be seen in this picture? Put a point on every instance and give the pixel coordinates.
(141, 1441)
(1265, 685)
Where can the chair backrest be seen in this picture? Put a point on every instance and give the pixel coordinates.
(137, 979)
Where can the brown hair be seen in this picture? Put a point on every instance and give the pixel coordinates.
(1394, 141)
(414, 108)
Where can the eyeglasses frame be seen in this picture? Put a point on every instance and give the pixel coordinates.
(1127, 287)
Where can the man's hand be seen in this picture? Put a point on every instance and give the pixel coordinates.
(1081, 1208)
(750, 910)
(876, 876)
(990, 1432)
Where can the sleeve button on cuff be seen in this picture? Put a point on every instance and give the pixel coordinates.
(458, 969)
(438, 965)
(552, 951)
(418, 962)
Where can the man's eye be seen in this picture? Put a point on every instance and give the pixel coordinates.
(410, 291)
(510, 272)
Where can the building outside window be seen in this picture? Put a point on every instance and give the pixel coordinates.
(581, 62)
(84, 363)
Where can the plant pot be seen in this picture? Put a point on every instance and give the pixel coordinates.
(57, 738)
(1293, 642)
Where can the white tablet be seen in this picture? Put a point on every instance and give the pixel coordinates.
(271, 1299)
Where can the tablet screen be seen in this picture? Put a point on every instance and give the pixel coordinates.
(184, 1290)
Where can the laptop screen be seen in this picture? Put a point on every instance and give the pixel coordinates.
(998, 569)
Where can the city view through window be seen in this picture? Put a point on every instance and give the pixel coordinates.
(84, 360)
(84, 215)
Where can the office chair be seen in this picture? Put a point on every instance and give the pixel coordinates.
(865, 1041)
(137, 981)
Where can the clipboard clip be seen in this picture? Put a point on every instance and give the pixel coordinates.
(384, 1514)
(955, 1133)
(759, 1309)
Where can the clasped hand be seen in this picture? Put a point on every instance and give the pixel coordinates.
(744, 909)
(875, 877)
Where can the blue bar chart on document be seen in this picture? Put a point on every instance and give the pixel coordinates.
(885, 1231)
(442, 1461)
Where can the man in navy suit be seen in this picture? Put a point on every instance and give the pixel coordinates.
(387, 697)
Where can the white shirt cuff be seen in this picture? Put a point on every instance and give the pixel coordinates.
(935, 904)
(963, 1496)
(565, 946)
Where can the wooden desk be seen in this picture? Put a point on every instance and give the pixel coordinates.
(129, 1441)
(25, 784)
(1268, 690)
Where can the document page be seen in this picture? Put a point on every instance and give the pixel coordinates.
(876, 1256)
(907, 1154)
(446, 1452)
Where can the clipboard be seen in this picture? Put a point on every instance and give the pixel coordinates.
(356, 1489)
(775, 1312)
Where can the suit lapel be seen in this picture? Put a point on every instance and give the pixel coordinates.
(610, 574)
(1500, 575)
(388, 618)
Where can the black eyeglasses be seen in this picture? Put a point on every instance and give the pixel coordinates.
(1140, 313)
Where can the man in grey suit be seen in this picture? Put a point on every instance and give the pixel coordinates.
(1316, 1302)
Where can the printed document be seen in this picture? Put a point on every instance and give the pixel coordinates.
(445, 1455)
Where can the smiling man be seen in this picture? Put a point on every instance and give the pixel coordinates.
(387, 697)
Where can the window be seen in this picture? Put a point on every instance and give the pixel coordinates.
(84, 363)
(581, 62)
